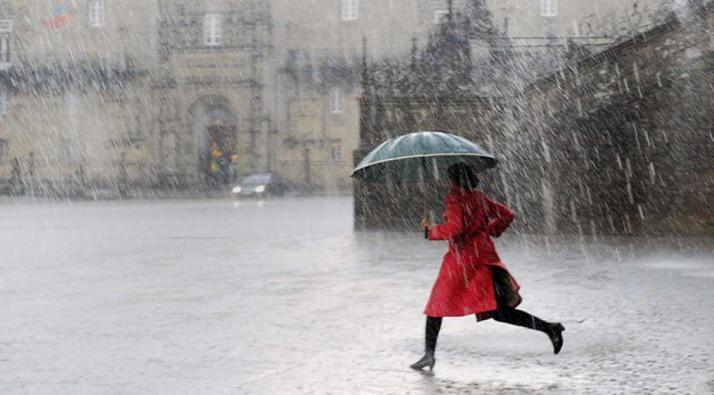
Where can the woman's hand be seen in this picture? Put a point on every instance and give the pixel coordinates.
(425, 223)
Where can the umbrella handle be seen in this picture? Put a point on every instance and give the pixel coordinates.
(424, 197)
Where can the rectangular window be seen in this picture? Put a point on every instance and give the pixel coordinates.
(5, 37)
(3, 149)
(336, 152)
(440, 16)
(548, 8)
(213, 30)
(350, 10)
(4, 49)
(96, 13)
(71, 103)
(336, 101)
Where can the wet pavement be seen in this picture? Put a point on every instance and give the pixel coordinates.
(283, 297)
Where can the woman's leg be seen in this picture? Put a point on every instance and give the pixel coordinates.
(433, 325)
(521, 318)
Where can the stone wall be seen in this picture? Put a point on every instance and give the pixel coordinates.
(624, 137)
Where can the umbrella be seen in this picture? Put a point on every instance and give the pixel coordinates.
(420, 156)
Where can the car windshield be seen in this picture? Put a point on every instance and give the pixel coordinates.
(257, 179)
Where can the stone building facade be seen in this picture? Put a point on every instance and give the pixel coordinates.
(616, 142)
(125, 95)
(211, 91)
(318, 47)
(74, 91)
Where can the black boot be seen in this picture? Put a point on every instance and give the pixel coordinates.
(556, 336)
(426, 360)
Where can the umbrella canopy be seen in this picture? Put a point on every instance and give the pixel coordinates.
(421, 155)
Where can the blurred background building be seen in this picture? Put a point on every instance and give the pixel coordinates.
(122, 96)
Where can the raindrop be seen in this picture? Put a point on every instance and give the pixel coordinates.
(629, 192)
(576, 143)
(647, 137)
(641, 211)
(547, 245)
(637, 136)
(546, 151)
(653, 174)
(506, 189)
(611, 222)
(593, 229)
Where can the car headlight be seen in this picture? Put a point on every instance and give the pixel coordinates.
(260, 189)
(237, 189)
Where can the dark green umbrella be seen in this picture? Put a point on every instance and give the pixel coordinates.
(421, 156)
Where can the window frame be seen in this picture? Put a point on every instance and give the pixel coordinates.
(96, 14)
(213, 29)
(349, 10)
(548, 8)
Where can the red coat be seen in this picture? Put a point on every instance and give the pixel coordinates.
(465, 282)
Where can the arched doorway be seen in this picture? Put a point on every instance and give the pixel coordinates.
(215, 127)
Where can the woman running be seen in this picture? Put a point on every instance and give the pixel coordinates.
(472, 278)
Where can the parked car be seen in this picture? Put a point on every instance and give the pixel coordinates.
(260, 185)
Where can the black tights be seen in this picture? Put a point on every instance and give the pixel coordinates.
(503, 314)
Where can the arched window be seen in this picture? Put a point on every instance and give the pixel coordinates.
(213, 29)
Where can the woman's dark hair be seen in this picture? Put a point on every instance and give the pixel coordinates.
(463, 175)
